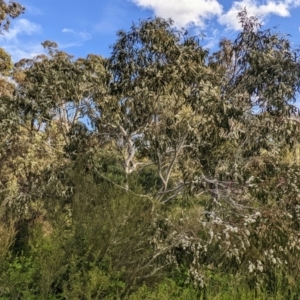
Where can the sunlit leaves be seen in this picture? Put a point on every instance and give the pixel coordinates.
(9, 11)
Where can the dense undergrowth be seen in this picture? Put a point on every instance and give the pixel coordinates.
(100, 242)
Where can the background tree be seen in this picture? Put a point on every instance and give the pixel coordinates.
(8, 11)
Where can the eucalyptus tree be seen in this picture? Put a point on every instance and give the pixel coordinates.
(9, 119)
(56, 89)
(179, 106)
(9, 129)
(8, 11)
(160, 100)
(217, 126)
(261, 80)
(40, 113)
(251, 217)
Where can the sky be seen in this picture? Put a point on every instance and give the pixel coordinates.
(89, 27)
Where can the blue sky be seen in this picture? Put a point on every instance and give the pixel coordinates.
(83, 27)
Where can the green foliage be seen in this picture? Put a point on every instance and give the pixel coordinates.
(9, 11)
(181, 183)
(149, 179)
(5, 63)
(165, 290)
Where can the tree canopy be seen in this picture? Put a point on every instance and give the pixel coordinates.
(8, 11)
(161, 162)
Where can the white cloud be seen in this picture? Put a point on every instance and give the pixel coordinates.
(254, 8)
(21, 27)
(26, 51)
(198, 12)
(82, 34)
(183, 12)
(212, 40)
(293, 3)
(14, 43)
